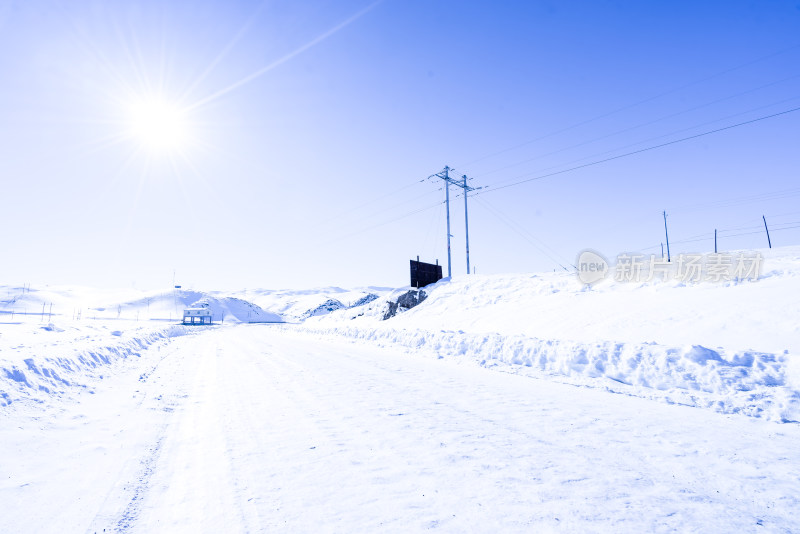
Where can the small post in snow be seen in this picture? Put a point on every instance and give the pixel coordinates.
(769, 242)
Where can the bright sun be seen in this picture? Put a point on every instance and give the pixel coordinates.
(159, 125)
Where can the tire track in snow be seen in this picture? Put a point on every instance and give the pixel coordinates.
(194, 485)
(238, 426)
(123, 502)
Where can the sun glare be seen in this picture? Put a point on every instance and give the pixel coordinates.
(158, 124)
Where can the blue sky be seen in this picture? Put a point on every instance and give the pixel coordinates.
(308, 129)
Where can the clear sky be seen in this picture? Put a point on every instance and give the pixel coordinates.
(277, 144)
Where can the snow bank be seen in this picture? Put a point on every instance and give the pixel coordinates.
(731, 346)
(37, 366)
(762, 316)
(55, 341)
(749, 383)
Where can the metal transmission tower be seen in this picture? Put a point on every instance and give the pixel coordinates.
(445, 175)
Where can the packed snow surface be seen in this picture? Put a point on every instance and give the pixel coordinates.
(260, 428)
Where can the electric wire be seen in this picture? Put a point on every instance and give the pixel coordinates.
(372, 227)
(433, 223)
(778, 215)
(749, 199)
(495, 188)
(644, 141)
(347, 211)
(395, 206)
(634, 127)
(709, 236)
(520, 230)
(635, 104)
(632, 153)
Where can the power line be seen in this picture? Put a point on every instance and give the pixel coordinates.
(519, 229)
(432, 224)
(662, 136)
(638, 103)
(760, 197)
(776, 215)
(368, 228)
(396, 205)
(708, 236)
(739, 228)
(372, 201)
(647, 149)
(640, 125)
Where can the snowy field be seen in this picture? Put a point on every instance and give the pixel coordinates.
(513, 403)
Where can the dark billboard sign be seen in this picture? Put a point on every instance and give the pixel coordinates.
(423, 273)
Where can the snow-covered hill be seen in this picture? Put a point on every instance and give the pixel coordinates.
(299, 304)
(732, 346)
(72, 303)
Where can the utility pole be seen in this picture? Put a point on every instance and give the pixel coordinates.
(467, 189)
(447, 201)
(445, 175)
(174, 294)
(666, 232)
(715, 240)
(769, 242)
(466, 217)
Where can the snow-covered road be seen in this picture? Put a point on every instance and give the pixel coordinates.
(264, 429)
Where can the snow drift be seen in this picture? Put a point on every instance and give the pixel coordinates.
(57, 341)
(733, 347)
(49, 361)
